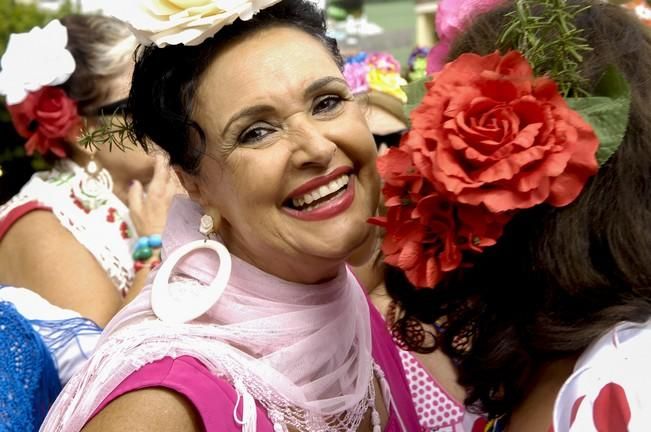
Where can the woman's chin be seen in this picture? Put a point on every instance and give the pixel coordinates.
(350, 247)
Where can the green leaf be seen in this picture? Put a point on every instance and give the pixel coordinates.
(415, 91)
(607, 111)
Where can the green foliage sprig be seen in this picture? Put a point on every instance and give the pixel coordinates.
(115, 131)
(545, 33)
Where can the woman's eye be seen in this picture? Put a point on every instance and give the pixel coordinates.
(254, 134)
(327, 104)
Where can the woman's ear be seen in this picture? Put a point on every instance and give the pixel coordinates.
(190, 183)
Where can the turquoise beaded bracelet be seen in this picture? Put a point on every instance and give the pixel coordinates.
(145, 247)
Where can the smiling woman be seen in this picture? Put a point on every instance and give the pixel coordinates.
(278, 161)
(282, 139)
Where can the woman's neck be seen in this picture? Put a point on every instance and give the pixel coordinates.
(121, 183)
(534, 413)
(121, 188)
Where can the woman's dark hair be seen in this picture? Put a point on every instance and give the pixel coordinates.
(559, 277)
(103, 49)
(165, 80)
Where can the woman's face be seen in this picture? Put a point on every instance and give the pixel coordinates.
(290, 168)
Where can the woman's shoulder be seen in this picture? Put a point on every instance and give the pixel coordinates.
(213, 400)
(610, 385)
(32, 235)
(75, 220)
(154, 408)
(38, 240)
(15, 209)
(41, 191)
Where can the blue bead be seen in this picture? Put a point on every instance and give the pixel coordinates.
(142, 242)
(155, 241)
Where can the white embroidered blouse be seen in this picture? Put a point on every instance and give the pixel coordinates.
(94, 215)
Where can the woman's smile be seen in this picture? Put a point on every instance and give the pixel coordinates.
(322, 197)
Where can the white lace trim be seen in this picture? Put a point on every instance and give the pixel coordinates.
(117, 358)
(102, 238)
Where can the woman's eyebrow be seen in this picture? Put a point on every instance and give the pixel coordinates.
(252, 111)
(322, 82)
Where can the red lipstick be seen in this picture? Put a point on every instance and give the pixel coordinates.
(316, 182)
(331, 208)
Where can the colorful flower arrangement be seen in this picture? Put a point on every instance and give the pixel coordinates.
(488, 139)
(375, 71)
(41, 112)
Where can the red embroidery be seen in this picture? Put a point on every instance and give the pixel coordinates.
(611, 410)
(124, 230)
(111, 215)
(78, 203)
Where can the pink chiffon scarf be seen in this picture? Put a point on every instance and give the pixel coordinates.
(309, 346)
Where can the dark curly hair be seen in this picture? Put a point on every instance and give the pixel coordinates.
(559, 277)
(165, 79)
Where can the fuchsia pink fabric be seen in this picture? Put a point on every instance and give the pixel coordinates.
(215, 398)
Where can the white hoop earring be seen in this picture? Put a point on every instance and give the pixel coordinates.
(177, 310)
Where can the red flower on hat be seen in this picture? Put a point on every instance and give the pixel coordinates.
(47, 118)
(488, 138)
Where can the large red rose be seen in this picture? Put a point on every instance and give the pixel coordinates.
(47, 118)
(489, 132)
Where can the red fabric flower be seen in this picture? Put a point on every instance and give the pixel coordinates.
(491, 133)
(428, 237)
(488, 138)
(426, 233)
(47, 118)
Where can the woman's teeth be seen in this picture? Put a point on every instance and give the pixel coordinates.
(321, 192)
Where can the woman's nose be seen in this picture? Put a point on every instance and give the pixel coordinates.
(311, 145)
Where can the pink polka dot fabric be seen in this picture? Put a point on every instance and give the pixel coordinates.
(436, 410)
